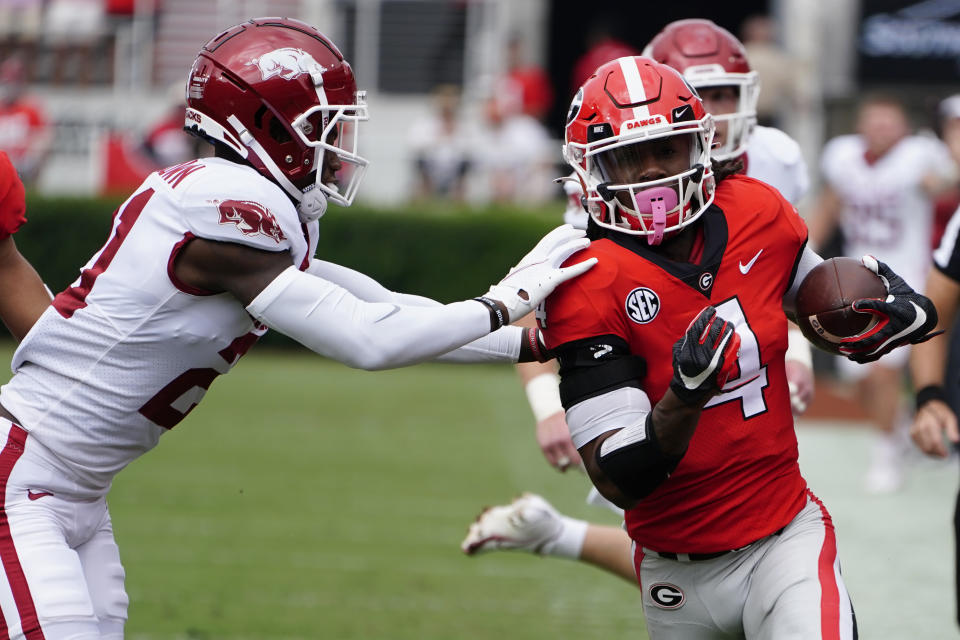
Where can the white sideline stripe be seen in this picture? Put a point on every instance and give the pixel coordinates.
(631, 75)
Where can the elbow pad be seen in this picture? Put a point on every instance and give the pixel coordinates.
(632, 460)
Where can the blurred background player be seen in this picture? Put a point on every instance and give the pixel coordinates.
(878, 187)
(935, 367)
(934, 428)
(25, 132)
(441, 144)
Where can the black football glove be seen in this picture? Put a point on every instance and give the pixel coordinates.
(904, 317)
(704, 357)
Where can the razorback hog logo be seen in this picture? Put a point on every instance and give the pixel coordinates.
(646, 122)
(288, 63)
(251, 218)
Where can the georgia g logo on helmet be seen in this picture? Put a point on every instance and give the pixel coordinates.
(287, 63)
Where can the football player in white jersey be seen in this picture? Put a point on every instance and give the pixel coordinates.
(879, 187)
(714, 62)
(201, 260)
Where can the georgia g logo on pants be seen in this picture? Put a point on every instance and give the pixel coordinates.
(666, 595)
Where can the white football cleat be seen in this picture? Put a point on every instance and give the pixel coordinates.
(526, 524)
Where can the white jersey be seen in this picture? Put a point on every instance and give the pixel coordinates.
(775, 158)
(772, 156)
(127, 351)
(885, 210)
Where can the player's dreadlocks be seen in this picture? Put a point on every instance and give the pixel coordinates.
(726, 168)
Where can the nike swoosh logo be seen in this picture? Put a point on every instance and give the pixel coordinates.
(390, 313)
(36, 495)
(918, 321)
(744, 268)
(681, 112)
(696, 381)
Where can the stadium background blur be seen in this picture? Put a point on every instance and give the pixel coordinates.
(335, 499)
(111, 68)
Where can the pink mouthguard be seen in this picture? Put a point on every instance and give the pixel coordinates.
(657, 201)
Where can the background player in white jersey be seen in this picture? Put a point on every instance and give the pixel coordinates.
(200, 261)
(879, 186)
(715, 64)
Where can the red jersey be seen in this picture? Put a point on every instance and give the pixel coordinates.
(739, 480)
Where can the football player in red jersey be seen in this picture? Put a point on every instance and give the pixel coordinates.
(728, 540)
(715, 63)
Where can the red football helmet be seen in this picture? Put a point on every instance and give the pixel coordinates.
(279, 93)
(710, 56)
(627, 103)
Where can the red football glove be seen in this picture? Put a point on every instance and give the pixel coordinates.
(704, 357)
(13, 206)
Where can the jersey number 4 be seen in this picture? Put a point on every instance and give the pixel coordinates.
(748, 387)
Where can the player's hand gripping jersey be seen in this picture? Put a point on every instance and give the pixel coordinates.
(108, 368)
(739, 480)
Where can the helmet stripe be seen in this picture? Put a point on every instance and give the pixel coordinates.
(631, 75)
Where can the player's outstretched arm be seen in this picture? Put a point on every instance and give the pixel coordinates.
(335, 323)
(935, 421)
(23, 298)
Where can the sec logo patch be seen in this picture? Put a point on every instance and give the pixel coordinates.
(642, 305)
(667, 596)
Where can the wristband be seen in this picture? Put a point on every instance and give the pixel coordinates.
(533, 338)
(543, 394)
(928, 393)
(798, 349)
(497, 314)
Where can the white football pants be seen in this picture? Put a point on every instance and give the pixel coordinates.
(786, 586)
(62, 577)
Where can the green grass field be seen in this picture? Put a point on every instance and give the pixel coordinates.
(302, 499)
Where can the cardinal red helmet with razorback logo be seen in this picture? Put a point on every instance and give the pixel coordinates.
(628, 102)
(279, 93)
(710, 56)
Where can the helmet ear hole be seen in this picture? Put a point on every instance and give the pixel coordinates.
(278, 132)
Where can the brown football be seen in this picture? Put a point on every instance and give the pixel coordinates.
(824, 313)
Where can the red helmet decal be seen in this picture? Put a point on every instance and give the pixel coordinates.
(251, 218)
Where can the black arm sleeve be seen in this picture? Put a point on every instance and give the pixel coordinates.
(638, 465)
(596, 365)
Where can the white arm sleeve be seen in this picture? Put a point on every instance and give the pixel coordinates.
(617, 409)
(363, 286)
(502, 345)
(333, 322)
(808, 260)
